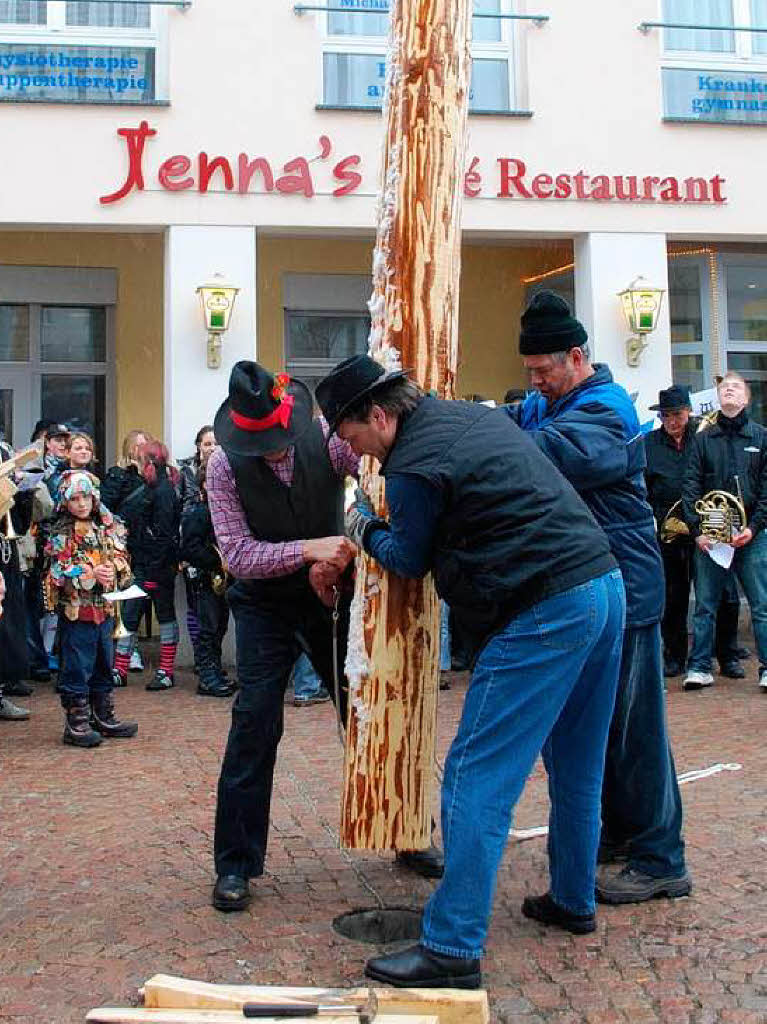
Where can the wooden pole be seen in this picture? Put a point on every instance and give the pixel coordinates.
(393, 661)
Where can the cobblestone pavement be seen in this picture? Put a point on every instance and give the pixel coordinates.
(106, 872)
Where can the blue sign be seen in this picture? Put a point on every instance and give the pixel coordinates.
(722, 97)
(76, 74)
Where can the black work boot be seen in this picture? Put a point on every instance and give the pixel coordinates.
(212, 683)
(103, 718)
(77, 730)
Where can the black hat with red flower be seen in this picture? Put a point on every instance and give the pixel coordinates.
(264, 413)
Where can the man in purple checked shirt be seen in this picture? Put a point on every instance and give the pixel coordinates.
(276, 494)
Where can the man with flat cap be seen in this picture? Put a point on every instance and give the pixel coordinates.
(667, 450)
(276, 495)
(587, 426)
(531, 582)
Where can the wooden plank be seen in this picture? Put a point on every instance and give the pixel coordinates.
(393, 660)
(450, 1006)
(132, 1015)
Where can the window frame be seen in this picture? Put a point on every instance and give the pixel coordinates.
(507, 48)
(306, 366)
(702, 347)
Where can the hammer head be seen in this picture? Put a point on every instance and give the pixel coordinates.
(369, 1012)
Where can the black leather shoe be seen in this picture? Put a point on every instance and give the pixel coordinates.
(40, 675)
(742, 653)
(426, 863)
(18, 688)
(544, 909)
(672, 668)
(732, 670)
(231, 892)
(419, 967)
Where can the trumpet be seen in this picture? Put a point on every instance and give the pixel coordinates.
(120, 631)
(219, 578)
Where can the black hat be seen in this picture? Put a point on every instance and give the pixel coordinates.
(549, 326)
(263, 413)
(348, 383)
(41, 428)
(675, 397)
(57, 430)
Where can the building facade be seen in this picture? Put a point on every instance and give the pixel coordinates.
(151, 145)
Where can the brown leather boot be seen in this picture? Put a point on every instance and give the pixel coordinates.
(103, 718)
(77, 730)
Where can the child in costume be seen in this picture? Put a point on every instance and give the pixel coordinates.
(87, 554)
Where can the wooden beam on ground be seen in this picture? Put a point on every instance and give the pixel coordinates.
(393, 660)
(448, 1006)
(128, 1015)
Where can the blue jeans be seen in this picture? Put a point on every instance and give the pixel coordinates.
(546, 682)
(641, 803)
(750, 566)
(87, 657)
(306, 682)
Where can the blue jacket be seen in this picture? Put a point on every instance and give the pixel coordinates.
(592, 436)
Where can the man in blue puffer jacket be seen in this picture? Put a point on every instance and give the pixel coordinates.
(587, 425)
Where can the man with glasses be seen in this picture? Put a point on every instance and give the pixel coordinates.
(668, 450)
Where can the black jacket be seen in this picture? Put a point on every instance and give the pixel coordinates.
(117, 485)
(512, 531)
(198, 539)
(719, 455)
(152, 514)
(666, 467)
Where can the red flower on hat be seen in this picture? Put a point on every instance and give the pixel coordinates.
(280, 388)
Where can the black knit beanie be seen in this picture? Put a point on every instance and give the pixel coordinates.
(548, 326)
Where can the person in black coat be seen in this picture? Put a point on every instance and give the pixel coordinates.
(14, 661)
(151, 513)
(198, 548)
(667, 450)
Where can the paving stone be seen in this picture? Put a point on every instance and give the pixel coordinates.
(107, 868)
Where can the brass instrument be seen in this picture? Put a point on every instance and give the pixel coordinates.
(120, 631)
(8, 488)
(722, 516)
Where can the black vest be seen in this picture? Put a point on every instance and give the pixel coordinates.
(513, 531)
(313, 506)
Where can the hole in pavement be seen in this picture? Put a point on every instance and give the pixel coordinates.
(380, 924)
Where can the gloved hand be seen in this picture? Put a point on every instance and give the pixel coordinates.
(360, 518)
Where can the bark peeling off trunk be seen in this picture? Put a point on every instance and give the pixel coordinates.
(393, 662)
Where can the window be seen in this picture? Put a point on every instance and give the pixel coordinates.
(688, 312)
(743, 291)
(112, 15)
(717, 41)
(14, 333)
(95, 51)
(23, 12)
(354, 62)
(316, 341)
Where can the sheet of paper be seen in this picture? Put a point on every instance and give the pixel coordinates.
(125, 595)
(722, 554)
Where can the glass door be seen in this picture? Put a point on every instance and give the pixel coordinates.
(16, 412)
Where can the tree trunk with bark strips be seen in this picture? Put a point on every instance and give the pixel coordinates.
(393, 662)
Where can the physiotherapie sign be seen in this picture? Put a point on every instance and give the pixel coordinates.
(76, 74)
(504, 178)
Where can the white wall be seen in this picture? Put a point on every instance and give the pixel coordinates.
(193, 392)
(593, 84)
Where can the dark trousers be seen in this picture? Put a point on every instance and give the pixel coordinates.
(269, 636)
(33, 607)
(14, 657)
(213, 616)
(162, 596)
(641, 803)
(678, 565)
(87, 656)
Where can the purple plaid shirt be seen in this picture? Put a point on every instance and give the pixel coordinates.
(247, 557)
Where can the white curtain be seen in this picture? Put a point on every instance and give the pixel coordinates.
(759, 20)
(699, 12)
(23, 12)
(108, 15)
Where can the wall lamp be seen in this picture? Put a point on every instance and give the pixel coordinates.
(217, 301)
(641, 304)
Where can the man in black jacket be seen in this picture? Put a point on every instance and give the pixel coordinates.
(731, 456)
(667, 450)
(530, 578)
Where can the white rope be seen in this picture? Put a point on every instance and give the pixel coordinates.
(521, 834)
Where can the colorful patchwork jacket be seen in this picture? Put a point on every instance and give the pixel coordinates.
(75, 547)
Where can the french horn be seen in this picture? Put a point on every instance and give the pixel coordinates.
(722, 516)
